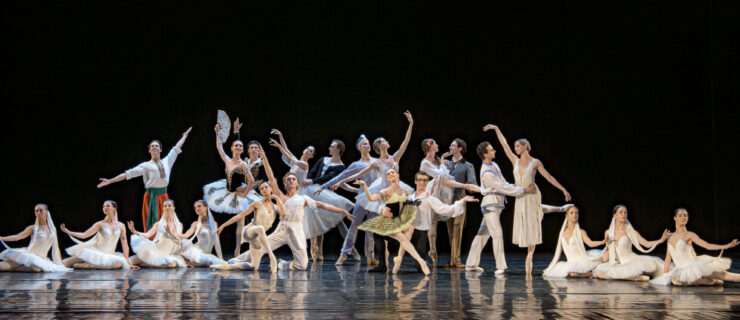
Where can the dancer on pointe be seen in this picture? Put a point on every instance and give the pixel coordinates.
(290, 231)
(623, 263)
(395, 220)
(156, 173)
(494, 189)
(428, 207)
(100, 251)
(527, 231)
(34, 258)
(199, 254)
(317, 222)
(255, 232)
(362, 145)
(441, 187)
(571, 239)
(164, 251)
(690, 269)
(233, 194)
(381, 165)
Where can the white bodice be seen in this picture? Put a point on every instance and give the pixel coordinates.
(107, 239)
(682, 254)
(524, 176)
(263, 217)
(300, 173)
(41, 244)
(624, 250)
(570, 247)
(205, 241)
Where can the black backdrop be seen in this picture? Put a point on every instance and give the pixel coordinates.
(623, 103)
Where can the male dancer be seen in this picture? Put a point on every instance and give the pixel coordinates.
(156, 173)
(463, 172)
(494, 189)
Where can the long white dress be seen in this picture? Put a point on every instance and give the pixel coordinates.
(200, 252)
(688, 268)
(35, 255)
(165, 248)
(528, 213)
(100, 250)
(629, 263)
(578, 259)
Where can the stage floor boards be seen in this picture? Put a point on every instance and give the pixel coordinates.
(348, 292)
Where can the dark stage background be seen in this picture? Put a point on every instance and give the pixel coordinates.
(623, 103)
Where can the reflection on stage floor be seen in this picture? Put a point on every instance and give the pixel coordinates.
(328, 291)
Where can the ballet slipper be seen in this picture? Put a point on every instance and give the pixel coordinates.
(425, 268)
(341, 260)
(397, 264)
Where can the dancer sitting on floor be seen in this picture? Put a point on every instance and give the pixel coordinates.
(164, 250)
(623, 263)
(256, 231)
(100, 251)
(34, 257)
(571, 239)
(690, 269)
(199, 254)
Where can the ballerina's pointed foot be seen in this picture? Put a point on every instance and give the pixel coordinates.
(397, 264)
(273, 265)
(341, 260)
(425, 268)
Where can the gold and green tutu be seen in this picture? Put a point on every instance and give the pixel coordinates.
(385, 226)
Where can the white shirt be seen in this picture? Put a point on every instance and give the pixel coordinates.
(430, 205)
(293, 218)
(494, 187)
(150, 171)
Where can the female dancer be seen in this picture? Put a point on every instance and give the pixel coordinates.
(164, 250)
(315, 222)
(527, 209)
(255, 232)
(362, 145)
(623, 263)
(199, 254)
(230, 195)
(690, 269)
(441, 187)
(99, 252)
(34, 257)
(570, 241)
(393, 224)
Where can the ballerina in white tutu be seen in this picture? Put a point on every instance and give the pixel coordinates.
(100, 251)
(527, 229)
(164, 250)
(255, 232)
(233, 194)
(690, 269)
(623, 263)
(571, 240)
(199, 254)
(34, 257)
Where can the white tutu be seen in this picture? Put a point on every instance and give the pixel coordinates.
(25, 258)
(160, 253)
(563, 268)
(646, 265)
(90, 254)
(320, 221)
(219, 198)
(195, 254)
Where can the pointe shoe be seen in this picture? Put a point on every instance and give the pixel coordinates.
(397, 264)
(425, 268)
(433, 254)
(341, 260)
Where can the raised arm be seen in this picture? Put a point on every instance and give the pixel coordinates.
(184, 137)
(20, 236)
(370, 196)
(541, 169)
(219, 145)
(237, 217)
(397, 156)
(650, 244)
(152, 231)
(710, 246)
(589, 242)
(283, 146)
(355, 176)
(270, 175)
(505, 145)
(82, 235)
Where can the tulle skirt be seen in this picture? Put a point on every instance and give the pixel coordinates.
(375, 187)
(193, 253)
(92, 255)
(158, 254)
(646, 265)
(319, 221)
(385, 226)
(703, 266)
(581, 265)
(23, 257)
(219, 198)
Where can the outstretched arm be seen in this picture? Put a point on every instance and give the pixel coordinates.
(237, 217)
(219, 145)
(104, 182)
(20, 236)
(710, 246)
(82, 235)
(355, 176)
(370, 196)
(589, 242)
(270, 175)
(191, 230)
(184, 137)
(650, 244)
(152, 231)
(397, 156)
(332, 208)
(541, 169)
(505, 145)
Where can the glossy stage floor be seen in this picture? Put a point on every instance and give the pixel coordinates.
(348, 292)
